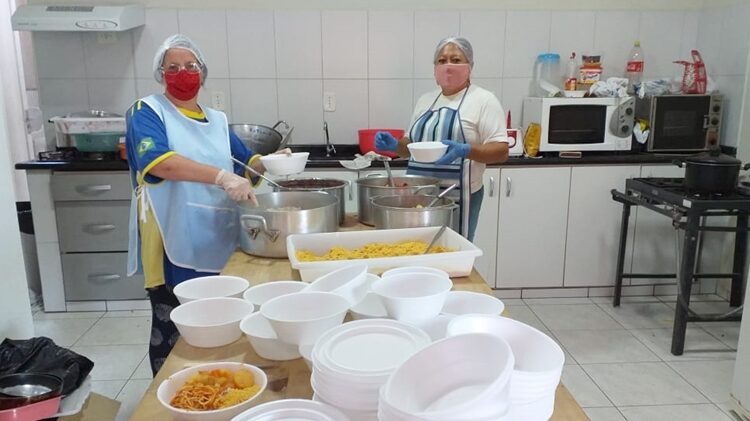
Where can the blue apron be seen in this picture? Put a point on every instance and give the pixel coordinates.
(435, 126)
(199, 223)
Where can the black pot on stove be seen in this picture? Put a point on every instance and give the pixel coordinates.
(711, 172)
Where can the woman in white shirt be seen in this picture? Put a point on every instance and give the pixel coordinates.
(465, 117)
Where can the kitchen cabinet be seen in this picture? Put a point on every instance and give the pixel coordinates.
(486, 234)
(594, 225)
(533, 216)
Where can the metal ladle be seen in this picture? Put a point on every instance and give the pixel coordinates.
(249, 168)
(387, 166)
(435, 238)
(441, 195)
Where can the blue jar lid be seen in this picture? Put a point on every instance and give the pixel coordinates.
(548, 57)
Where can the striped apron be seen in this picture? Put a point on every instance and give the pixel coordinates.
(435, 126)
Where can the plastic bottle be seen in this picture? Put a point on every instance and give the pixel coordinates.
(634, 70)
(571, 75)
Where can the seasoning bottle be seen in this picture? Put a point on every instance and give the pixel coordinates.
(571, 73)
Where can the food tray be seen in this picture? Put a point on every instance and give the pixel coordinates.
(81, 125)
(457, 263)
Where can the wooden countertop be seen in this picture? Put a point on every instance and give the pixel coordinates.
(259, 270)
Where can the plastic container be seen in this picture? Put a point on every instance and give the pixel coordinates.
(547, 76)
(634, 68)
(210, 287)
(367, 140)
(571, 73)
(98, 142)
(456, 263)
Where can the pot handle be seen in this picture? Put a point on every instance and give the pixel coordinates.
(678, 162)
(285, 138)
(746, 167)
(253, 231)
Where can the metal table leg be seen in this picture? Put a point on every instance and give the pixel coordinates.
(621, 252)
(685, 279)
(740, 256)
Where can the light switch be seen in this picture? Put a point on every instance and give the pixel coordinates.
(329, 101)
(218, 100)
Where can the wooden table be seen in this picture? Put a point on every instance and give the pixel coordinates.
(259, 270)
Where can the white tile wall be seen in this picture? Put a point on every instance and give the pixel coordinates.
(732, 89)
(116, 95)
(391, 44)
(429, 28)
(613, 37)
(217, 85)
(689, 33)
(108, 57)
(351, 112)
(710, 24)
(252, 49)
(514, 90)
(207, 28)
(298, 44)
(160, 23)
(301, 104)
(390, 103)
(486, 31)
(345, 44)
(526, 36)
(572, 31)
(147, 86)
(735, 37)
(661, 47)
(59, 55)
(254, 101)
(424, 87)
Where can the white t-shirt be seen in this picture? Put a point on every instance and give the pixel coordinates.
(482, 118)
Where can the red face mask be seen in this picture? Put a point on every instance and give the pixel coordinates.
(183, 85)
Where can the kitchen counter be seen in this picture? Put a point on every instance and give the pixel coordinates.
(260, 270)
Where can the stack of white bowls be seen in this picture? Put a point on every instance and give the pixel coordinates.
(538, 362)
(352, 361)
(461, 378)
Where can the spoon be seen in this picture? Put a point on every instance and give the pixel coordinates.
(249, 168)
(435, 238)
(441, 195)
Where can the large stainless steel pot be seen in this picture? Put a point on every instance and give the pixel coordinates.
(262, 139)
(370, 187)
(331, 186)
(410, 212)
(265, 228)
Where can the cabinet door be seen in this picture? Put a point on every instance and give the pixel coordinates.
(594, 225)
(531, 232)
(486, 234)
(654, 239)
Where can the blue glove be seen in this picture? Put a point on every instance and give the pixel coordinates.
(385, 141)
(455, 150)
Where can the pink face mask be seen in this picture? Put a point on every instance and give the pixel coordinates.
(452, 77)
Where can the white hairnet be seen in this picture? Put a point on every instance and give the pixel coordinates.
(178, 41)
(462, 43)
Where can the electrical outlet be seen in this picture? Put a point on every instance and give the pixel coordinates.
(329, 101)
(218, 100)
(106, 38)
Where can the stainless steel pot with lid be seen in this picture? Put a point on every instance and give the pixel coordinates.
(331, 186)
(263, 140)
(264, 228)
(711, 172)
(410, 211)
(369, 187)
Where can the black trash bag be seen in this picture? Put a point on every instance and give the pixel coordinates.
(41, 355)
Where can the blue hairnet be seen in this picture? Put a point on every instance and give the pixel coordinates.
(178, 41)
(462, 43)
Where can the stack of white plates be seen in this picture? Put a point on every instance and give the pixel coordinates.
(292, 409)
(538, 362)
(352, 361)
(461, 378)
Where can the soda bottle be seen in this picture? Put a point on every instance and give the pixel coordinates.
(634, 70)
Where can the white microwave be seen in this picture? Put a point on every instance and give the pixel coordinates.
(581, 124)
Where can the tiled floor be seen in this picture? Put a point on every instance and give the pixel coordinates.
(618, 364)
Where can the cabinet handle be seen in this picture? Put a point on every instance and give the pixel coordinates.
(98, 188)
(492, 186)
(101, 227)
(508, 185)
(104, 277)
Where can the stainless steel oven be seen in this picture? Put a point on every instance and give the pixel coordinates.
(681, 123)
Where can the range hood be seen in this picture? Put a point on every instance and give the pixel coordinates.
(77, 18)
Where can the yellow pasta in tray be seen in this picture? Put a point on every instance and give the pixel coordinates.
(372, 251)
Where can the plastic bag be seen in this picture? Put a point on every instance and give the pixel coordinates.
(41, 355)
(532, 139)
(694, 77)
(613, 87)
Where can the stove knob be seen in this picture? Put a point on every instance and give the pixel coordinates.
(625, 129)
(629, 111)
(714, 121)
(717, 108)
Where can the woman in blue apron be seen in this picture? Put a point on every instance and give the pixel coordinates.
(465, 117)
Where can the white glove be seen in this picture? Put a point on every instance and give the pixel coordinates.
(238, 188)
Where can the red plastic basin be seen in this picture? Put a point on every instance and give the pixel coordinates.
(367, 140)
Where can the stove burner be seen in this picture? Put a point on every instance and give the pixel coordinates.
(672, 193)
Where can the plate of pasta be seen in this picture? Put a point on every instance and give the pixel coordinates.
(213, 391)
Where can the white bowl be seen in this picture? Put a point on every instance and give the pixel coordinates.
(210, 287)
(413, 298)
(414, 269)
(292, 409)
(263, 339)
(210, 322)
(305, 350)
(261, 293)
(300, 318)
(427, 151)
(353, 414)
(168, 388)
(574, 94)
(349, 282)
(468, 302)
(282, 164)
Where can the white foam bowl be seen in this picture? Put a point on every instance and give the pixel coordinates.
(210, 287)
(168, 388)
(413, 298)
(539, 359)
(414, 269)
(353, 414)
(264, 341)
(451, 379)
(468, 302)
(261, 293)
(427, 151)
(370, 307)
(282, 164)
(300, 318)
(349, 282)
(210, 322)
(292, 410)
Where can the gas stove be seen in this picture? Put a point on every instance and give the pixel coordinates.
(672, 192)
(74, 155)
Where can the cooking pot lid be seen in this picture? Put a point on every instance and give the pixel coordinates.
(713, 156)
